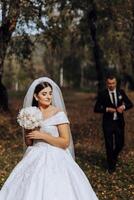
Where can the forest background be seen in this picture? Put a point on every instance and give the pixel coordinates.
(76, 43)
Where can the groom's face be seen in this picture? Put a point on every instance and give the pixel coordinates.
(111, 84)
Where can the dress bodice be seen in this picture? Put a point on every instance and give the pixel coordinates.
(49, 125)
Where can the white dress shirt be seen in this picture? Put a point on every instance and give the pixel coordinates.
(115, 96)
(111, 98)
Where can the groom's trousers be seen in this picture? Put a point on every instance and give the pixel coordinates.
(114, 141)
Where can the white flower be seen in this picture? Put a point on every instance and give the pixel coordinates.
(120, 97)
(30, 117)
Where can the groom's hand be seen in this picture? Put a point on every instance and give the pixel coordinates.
(120, 109)
(111, 110)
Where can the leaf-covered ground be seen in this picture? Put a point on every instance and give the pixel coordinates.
(89, 146)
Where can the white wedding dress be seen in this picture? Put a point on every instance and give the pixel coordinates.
(47, 172)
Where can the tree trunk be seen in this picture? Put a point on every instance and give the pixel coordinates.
(6, 29)
(3, 97)
(97, 52)
(132, 39)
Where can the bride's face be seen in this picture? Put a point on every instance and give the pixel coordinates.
(44, 97)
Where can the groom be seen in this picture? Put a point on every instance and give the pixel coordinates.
(112, 102)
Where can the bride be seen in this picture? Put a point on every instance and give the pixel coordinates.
(48, 170)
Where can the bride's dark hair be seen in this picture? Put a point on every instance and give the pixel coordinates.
(38, 88)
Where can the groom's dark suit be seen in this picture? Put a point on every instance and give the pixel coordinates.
(113, 128)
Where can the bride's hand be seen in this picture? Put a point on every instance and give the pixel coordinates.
(37, 135)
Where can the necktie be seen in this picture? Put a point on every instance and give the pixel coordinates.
(114, 103)
(113, 97)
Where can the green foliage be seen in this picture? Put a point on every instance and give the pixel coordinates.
(67, 31)
(22, 47)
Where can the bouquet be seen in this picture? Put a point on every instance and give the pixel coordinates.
(30, 117)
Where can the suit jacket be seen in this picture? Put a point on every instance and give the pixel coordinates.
(104, 101)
